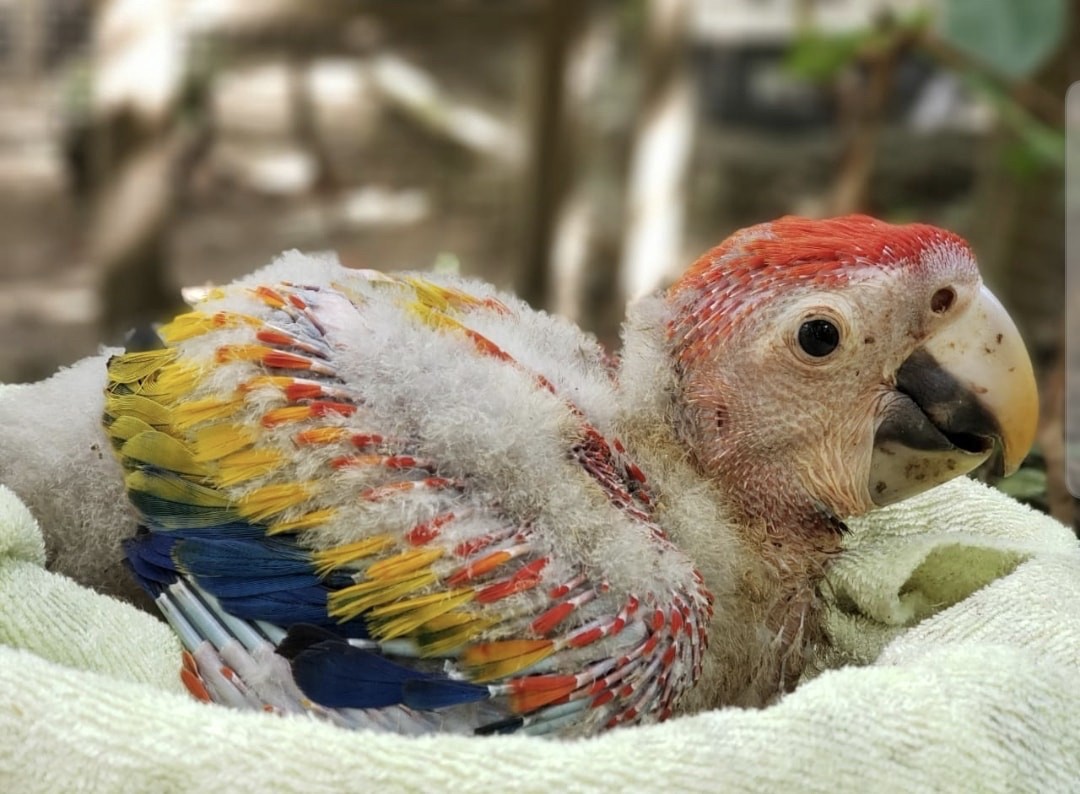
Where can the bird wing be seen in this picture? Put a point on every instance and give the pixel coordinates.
(297, 508)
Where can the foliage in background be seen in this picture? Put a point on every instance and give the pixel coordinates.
(997, 42)
(1012, 37)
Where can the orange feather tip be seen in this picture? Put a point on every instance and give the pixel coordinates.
(523, 579)
(269, 296)
(501, 659)
(194, 685)
(427, 531)
(477, 569)
(322, 408)
(488, 652)
(387, 461)
(303, 390)
(469, 547)
(187, 661)
(605, 697)
(530, 700)
(586, 637)
(273, 336)
(362, 440)
(298, 413)
(380, 492)
(285, 415)
(272, 358)
(547, 622)
(321, 435)
(564, 589)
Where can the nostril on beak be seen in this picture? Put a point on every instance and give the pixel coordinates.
(942, 300)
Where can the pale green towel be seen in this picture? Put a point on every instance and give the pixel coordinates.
(964, 605)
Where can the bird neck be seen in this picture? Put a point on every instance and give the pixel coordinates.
(760, 546)
(753, 490)
(771, 506)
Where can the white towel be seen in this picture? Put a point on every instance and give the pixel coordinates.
(962, 606)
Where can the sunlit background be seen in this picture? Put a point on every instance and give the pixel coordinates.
(579, 152)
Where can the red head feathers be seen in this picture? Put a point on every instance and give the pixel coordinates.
(725, 281)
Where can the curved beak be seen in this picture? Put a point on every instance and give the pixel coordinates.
(968, 391)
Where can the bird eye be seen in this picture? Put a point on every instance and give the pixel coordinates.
(818, 338)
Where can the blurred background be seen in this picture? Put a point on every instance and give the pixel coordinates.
(578, 152)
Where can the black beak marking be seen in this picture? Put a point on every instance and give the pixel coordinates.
(955, 414)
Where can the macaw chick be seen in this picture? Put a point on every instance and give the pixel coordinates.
(413, 503)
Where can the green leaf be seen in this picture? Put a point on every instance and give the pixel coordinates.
(818, 57)
(1014, 37)
(1038, 149)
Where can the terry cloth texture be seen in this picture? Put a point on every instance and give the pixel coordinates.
(954, 622)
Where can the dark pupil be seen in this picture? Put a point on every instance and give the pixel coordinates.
(818, 337)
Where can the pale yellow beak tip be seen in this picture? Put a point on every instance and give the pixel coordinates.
(1014, 397)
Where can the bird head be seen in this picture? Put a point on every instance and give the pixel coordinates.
(824, 367)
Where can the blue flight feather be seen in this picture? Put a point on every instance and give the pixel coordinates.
(283, 607)
(155, 549)
(337, 675)
(242, 557)
(146, 562)
(150, 578)
(428, 693)
(302, 636)
(240, 587)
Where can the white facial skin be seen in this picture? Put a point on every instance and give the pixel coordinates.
(791, 433)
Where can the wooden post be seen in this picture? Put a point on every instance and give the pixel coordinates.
(663, 142)
(137, 69)
(551, 161)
